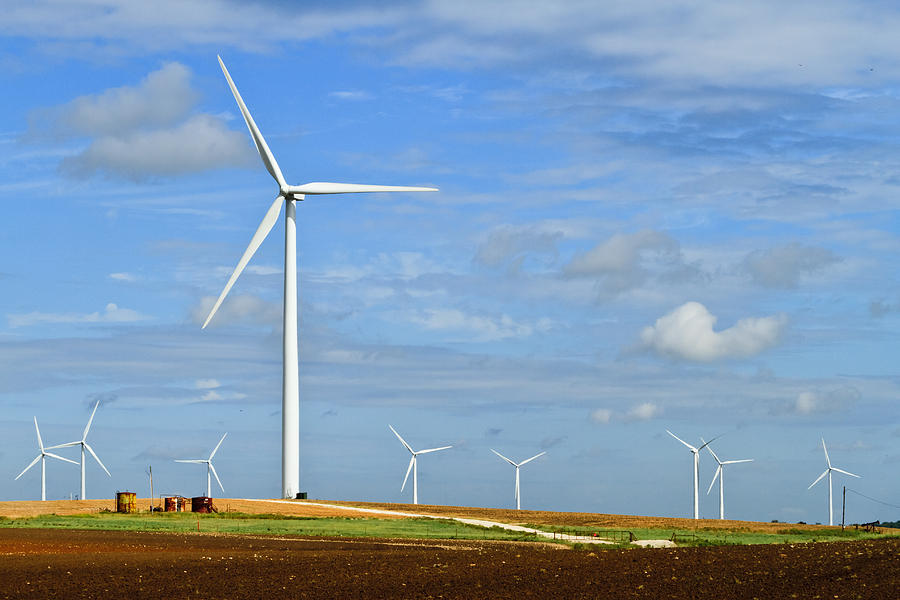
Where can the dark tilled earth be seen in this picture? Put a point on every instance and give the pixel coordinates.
(36, 563)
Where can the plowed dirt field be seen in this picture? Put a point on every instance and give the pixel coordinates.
(36, 563)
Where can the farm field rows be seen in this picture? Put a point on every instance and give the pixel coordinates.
(44, 563)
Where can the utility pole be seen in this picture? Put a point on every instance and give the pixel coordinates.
(151, 488)
(843, 507)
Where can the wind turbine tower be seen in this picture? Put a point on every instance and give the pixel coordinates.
(828, 471)
(85, 446)
(412, 464)
(289, 195)
(720, 473)
(209, 467)
(696, 453)
(42, 457)
(517, 465)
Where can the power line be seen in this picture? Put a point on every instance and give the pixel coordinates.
(873, 499)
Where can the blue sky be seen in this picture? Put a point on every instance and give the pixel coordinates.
(676, 215)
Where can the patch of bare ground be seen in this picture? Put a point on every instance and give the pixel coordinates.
(36, 563)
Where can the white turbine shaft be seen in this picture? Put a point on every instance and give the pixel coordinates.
(290, 424)
(827, 472)
(290, 390)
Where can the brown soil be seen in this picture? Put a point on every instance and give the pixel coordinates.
(42, 563)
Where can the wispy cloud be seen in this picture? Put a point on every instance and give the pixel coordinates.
(111, 314)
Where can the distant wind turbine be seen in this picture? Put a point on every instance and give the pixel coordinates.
(209, 467)
(720, 473)
(828, 471)
(517, 465)
(85, 446)
(696, 453)
(412, 464)
(290, 194)
(42, 457)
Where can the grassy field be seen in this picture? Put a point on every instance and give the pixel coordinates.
(270, 524)
(263, 524)
(718, 537)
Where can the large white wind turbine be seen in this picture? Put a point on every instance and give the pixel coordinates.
(828, 471)
(289, 195)
(85, 446)
(42, 457)
(412, 465)
(720, 473)
(209, 467)
(696, 453)
(517, 465)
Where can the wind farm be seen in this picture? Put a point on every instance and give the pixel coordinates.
(626, 235)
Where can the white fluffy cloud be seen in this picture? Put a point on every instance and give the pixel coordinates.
(200, 143)
(111, 314)
(163, 98)
(146, 130)
(687, 333)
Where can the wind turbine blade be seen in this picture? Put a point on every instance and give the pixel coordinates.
(844, 472)
(713, 453)
(827, 460)
(31, 464)
(824, 473)
(66, 445)
(326, 187)
(58, 457)
(217, 447)
(681, 440)
(706, 444)
(97, 458)
(91, 420)
(402, 441)
(532, 458)
(264, 153)
(433, 450)
(38, 430)
(713, 482)
(408, 469)
(191, 460)
(504, 458)
(261, 232)
(734, 462)
(219, 481)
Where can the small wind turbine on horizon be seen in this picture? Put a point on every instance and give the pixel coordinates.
(209, 467)
(696, 453)
(517, 465)
(828, 471)
(84, 445)
(720, 473)
(42, 457)
(412, 464)
(289, 195)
